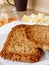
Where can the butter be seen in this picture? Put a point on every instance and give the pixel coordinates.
(39, 18)
(25, 18)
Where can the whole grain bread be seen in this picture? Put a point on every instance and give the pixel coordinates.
(18, 47)
(39, 34)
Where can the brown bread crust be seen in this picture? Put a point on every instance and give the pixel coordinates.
(22, 57)
(39, 34)
(31, 56)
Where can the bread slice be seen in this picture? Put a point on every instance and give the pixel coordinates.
(39, 34)
(18, 47)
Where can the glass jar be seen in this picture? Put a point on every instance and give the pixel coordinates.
(3, 17)
(7, 15)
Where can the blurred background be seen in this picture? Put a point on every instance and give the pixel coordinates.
(39, 5)
(9, 13)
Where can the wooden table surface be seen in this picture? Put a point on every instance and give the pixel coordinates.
(21, 13)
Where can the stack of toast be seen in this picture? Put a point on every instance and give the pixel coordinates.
(24, 42)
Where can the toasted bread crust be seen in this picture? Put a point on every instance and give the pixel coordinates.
(22, 57)
(34, 56)
(10, 35)
(39, 34)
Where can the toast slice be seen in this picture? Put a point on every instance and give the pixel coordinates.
(39, 34)
(18, 47)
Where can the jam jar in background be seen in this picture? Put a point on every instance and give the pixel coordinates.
(7, 15)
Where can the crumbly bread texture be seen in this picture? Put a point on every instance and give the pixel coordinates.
(39, 34)
(18, 47)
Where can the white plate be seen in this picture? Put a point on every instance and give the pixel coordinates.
(4, 30)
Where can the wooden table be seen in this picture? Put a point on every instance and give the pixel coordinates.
(21, 13)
